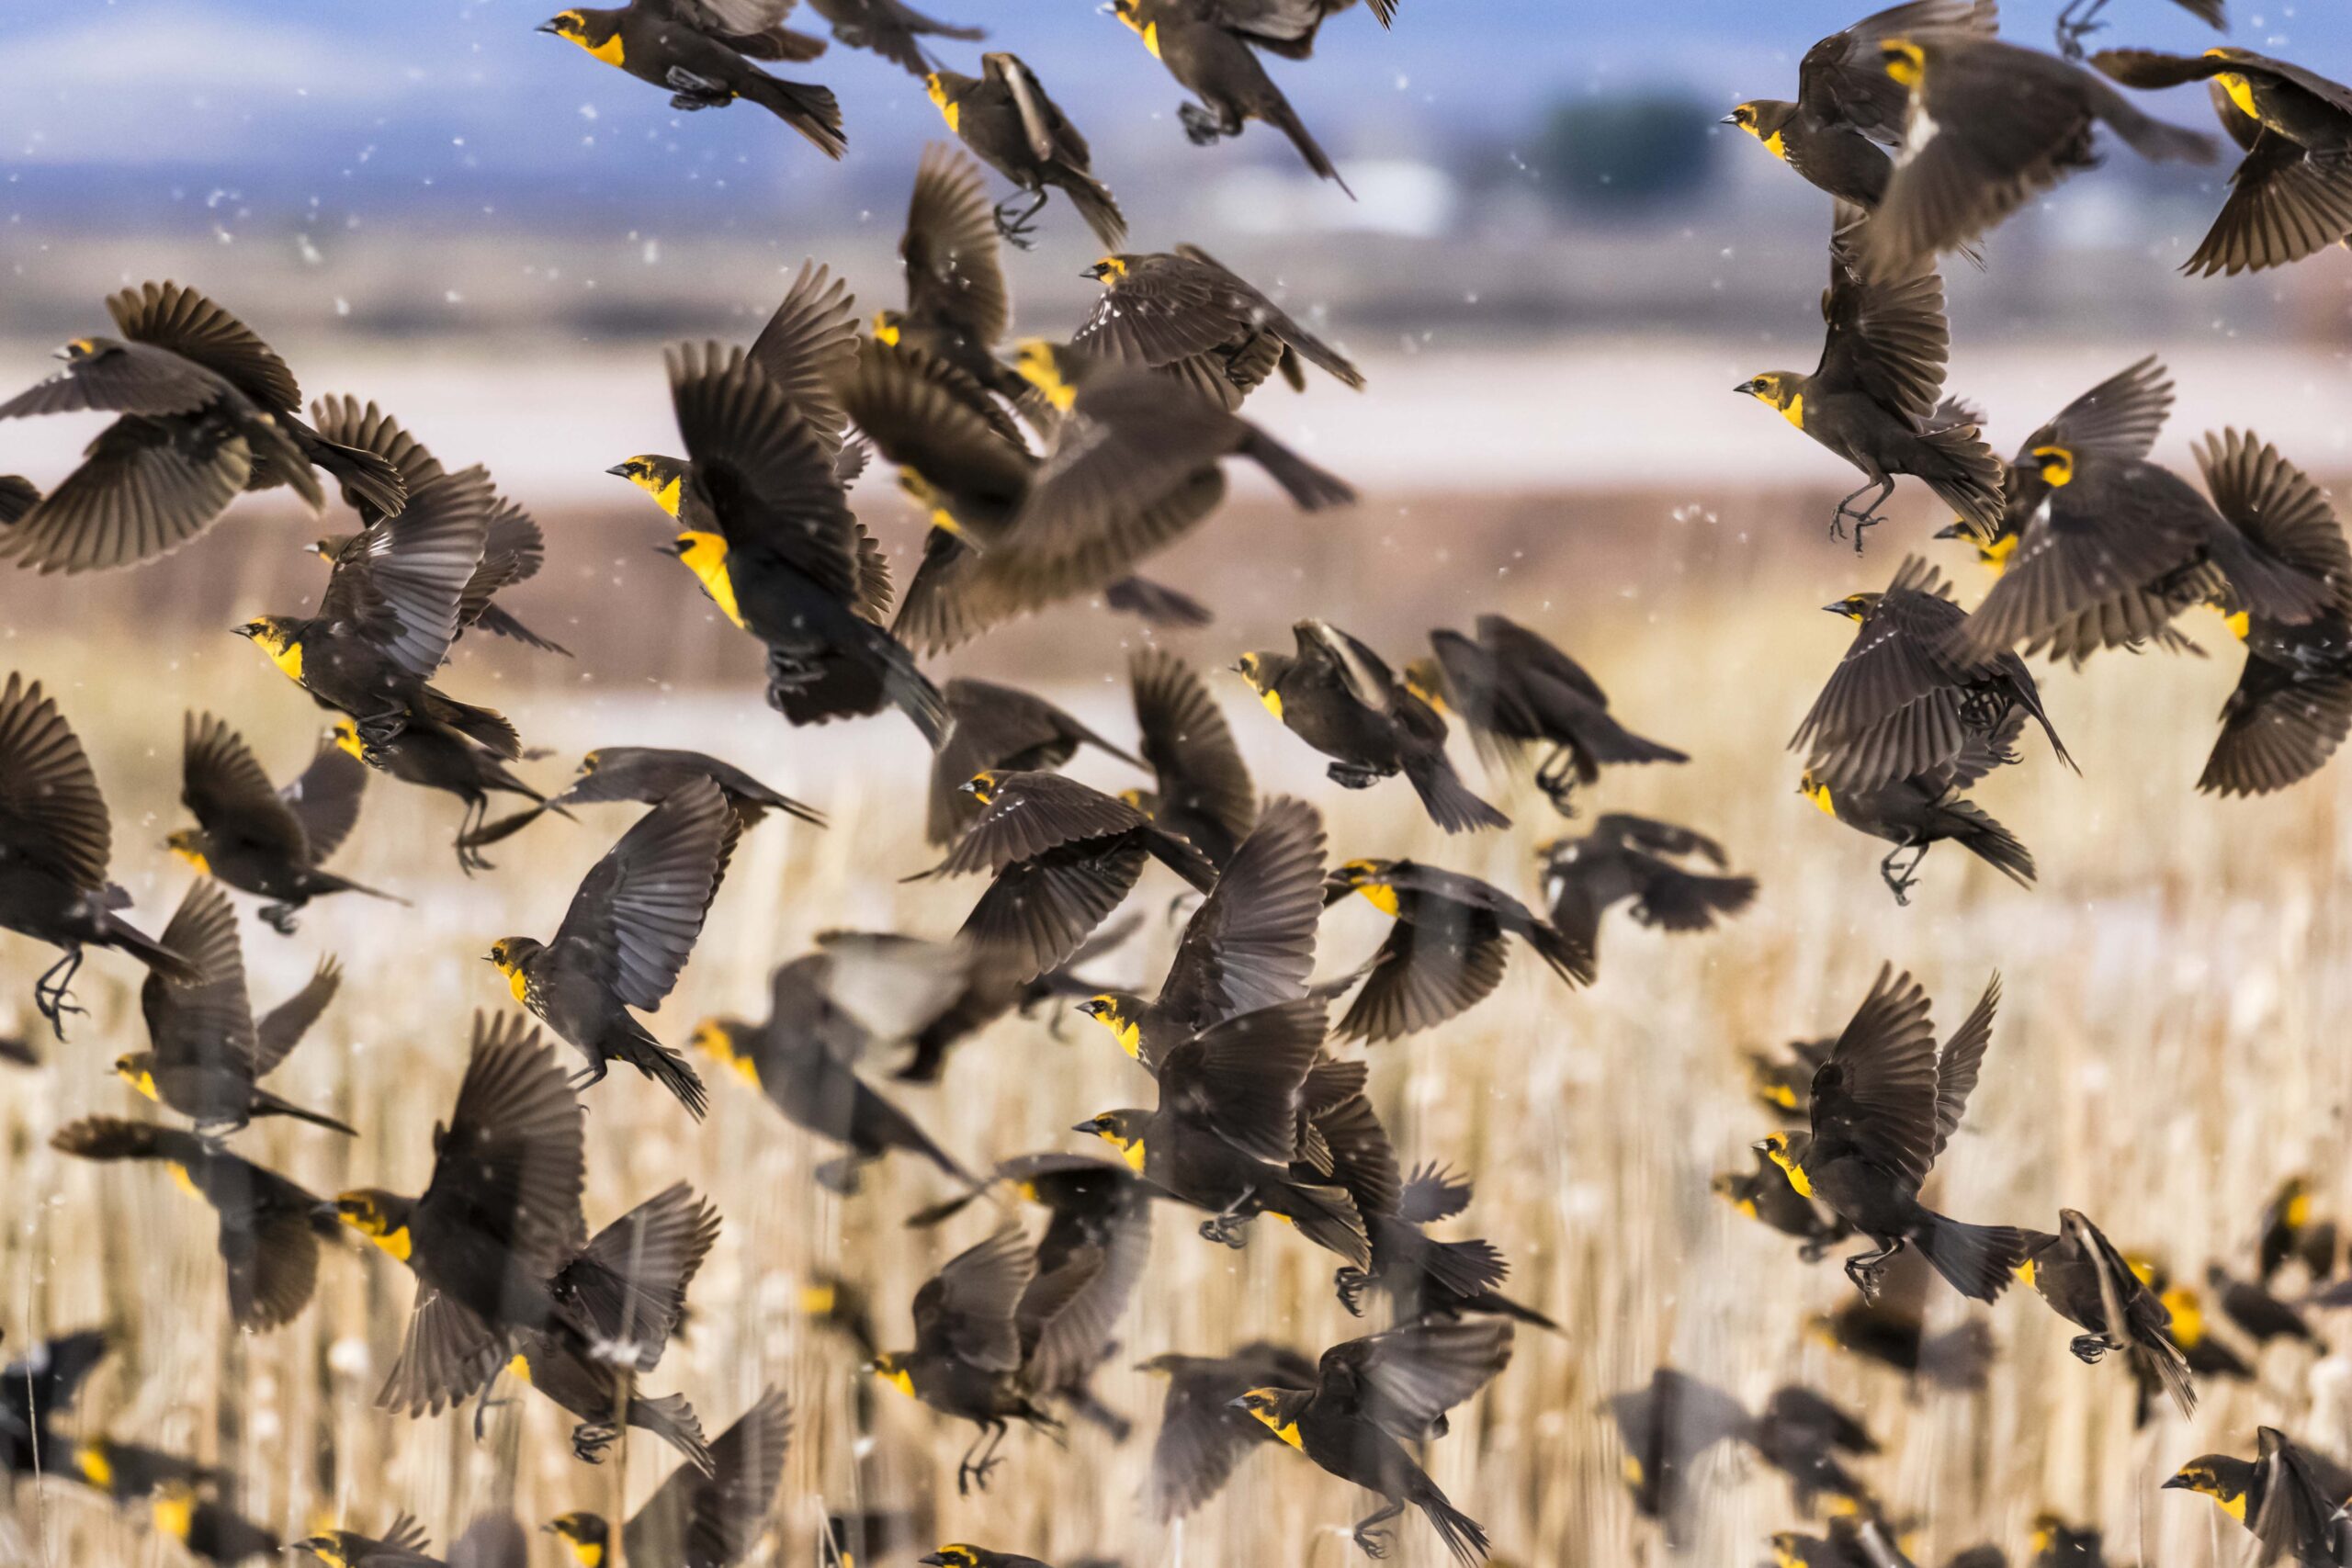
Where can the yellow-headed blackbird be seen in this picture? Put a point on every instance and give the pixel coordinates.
(1912, 694)
(2059, 1544)
(651, 774)
(1513, 690)
(633, 1301)
(1372, 1396)
(1848, 110)
(958, 306)
(2261, 1316)
(209, 410)
(1157, 604)
(891, 29)
(1228, 1125)
(128, 1472)
(1250, 944)
(1801, 1434)
(1987, 128)
(403, 1544)
(629, 933)
(1202, 1435)
(2293, 700)
(1200, 786)
(1004, 116)
(1764, 1195)
(1340, 697)
(999, 728)
(1063, 857)
(2290, 1496)
(972, 1341)
(797, 1060)
(209, 1529)
(434, 756)
(270, 1228)
(1213, 59)
(55, 838)
(2209, 1357)
(1191, 318)
(497, 1222)
(207, 1053)
(2118, 546)
(2086, 1281)
(1668, 1427)
(1445, 951)
(2118, 419)
(1628, 857)
(1852, 1542)
(786, 561)
(1925, 809)
(512, 552)
(1787, 1082)
(2291, 1229)
(270, 842)
(702, 51)
(1892, 1330)
(1427, 1279)
(962, 1554)
(389, 614)
(1883, 1106)
(1876, 398)
(2291, 195)
(36, 1388)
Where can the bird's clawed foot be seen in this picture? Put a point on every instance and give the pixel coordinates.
(1900, 882)
(1372, 1540)
(278, 917)
(2089, 1347)
(1201, 128)
(1864, 1273)
(589, 1439)
(50, 993)
(1354, 776)
(1351, 1282)
(1016, 229)
(1227, 1230)
(2077, 22)
(690, 91)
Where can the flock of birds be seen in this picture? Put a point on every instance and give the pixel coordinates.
(1050, 474)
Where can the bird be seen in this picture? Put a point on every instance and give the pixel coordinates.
(1337, 695)
(209, 1529)
(270, 1226)
(1061, 857)
(703, 51)
(1912, 695)
(1446, 949)
(207, 1052)
(818, 1089)
(1885, 1104)
(1890, 1329)
(629, 933)
(2288, 1496)
(388, 615)
(2087, 1282)
(1629, 857)
(1217, 65)
(2261, 1316)
(1988, 127)
(55, 839)
(494, 1539)
(39, 1386)
(1202, 1435)
(1876, 398)
(1425, 1279)
(1009, 121)
(2291, 1229)
(434, 756)
(2291, 195)
(1667, 1426)
(649, 774)
(958, 306)
(1802, 1434)
(1201, 787)
(1847, 111)
(1765, 1196)
(206, 410)
(1001, 728)
(1186, 315)
(1917, 812)
(272, 844)
(1373, 1395)
(783, 557)
(1512, 689)
(2292, 704)
(128, 1473)
(2079, 19)
(1227, 1127)
(970, 1349)
(891, 29)
(498, 1219)
(964, 1554)
(402, 1545)
(513, 551)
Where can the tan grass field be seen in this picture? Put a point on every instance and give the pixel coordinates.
(2171, 1044)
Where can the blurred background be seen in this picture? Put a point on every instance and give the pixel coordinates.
(1559, 265)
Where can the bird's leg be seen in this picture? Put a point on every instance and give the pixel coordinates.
(2076, 22)
(1558, 779)
(589, 1075)
(484, 1405)
(279, 918)
(1864, 1268)
(1229, 1225)
(691, 91)
(1865, 517)
(1014, 227)
(51, 989)
(1371, 1537)
(1354, 776)
(1900, 883)
(1351, 1282)
(1201, 128)
(381, 730)
(2089, 1347)
(591, 1439)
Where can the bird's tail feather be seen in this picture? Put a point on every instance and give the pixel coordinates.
(1447, 799)
(1978, 1261)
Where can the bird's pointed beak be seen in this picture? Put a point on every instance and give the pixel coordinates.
(1729, 119)
(2178, 1484)
(1238, 1402)
(1760, 1147)
(1951, 531)
(546, 27)
(1834, 609)
(246, 632)
(1083, 1127)
(618, 471)
(326, 1208)
(1747, 389)
(672, 551)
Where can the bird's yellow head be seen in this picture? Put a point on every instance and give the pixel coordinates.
(1123, 1130)
(94, 1461)
(983, 786)
(188, 843)
(1368, 877)
(326, 1546)
(1789, 1551)
(173, 1507)
(956, 1554)
(1040, 364)
(508, 955)
(1768, 123)
(890, 326)
(1781, 1149)
(1425, 678)
(139, 1071)
(890, 1366)
(2057, 464)
(1109, 270)
(1815, 791)
(380, 1216)
(2187, 1316)
(2222, 1477)
(1269, 1406)
(1781, 390)
(1261, 672)
(663, 479)
(1119, 1014)
(80, 349)
(1902, 61)
(599, 34)
(585, 1534)
(273, 636)
(1853, 607)
(721, 1039)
